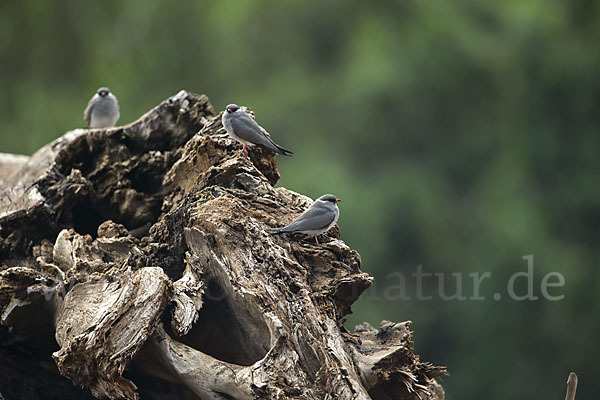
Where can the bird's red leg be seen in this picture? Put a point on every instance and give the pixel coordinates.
(244, 149)
(316, 240)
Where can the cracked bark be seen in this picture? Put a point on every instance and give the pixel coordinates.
(134, 263)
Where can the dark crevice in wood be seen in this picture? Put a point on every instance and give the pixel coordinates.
(151, 387)
(228, 326)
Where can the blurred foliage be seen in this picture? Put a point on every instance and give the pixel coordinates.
(461, 135)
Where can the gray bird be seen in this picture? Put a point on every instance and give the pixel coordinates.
(241, 127)
(319, 218)
(103, 110)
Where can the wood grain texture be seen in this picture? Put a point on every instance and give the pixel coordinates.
(135, 263)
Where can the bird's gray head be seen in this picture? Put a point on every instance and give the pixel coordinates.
(231, 108)
(103, 92)
(329, 198)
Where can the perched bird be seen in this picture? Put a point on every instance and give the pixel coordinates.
(319, 218)
(103, 110)
(241, 127)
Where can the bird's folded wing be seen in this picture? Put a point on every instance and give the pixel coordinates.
(314, 218)
(246, 129)
(87, 114)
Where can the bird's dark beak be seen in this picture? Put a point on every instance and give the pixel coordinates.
(338, 200)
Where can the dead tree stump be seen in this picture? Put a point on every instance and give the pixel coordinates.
(135, 263)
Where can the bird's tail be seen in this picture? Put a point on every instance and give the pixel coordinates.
(278, 149)
(283, 151)
(274, 231)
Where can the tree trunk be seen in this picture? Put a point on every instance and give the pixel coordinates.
(135, 263)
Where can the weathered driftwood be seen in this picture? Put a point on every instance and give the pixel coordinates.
(134, 262)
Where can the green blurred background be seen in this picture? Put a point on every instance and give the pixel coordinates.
(461, 136)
